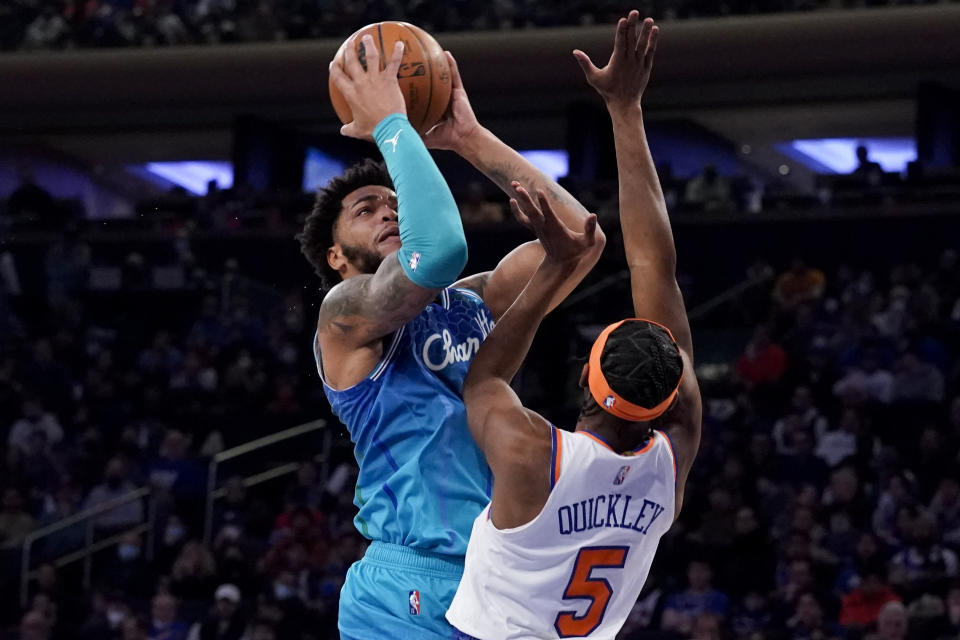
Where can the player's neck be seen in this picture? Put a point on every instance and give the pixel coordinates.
(616, 435)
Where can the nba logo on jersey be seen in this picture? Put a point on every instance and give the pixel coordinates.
(414, 603)
(609, 401)
(414, 260)
(621, 475)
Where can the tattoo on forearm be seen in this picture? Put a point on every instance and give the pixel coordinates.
(504, 174)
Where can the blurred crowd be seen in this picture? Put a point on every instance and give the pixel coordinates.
(65, 24)
(825, 501)
(824, 504)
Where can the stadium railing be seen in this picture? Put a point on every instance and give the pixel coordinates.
(87, 518)
(213, 492)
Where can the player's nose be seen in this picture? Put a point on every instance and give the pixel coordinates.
(389, 215)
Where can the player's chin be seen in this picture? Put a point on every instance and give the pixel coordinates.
(388, 245)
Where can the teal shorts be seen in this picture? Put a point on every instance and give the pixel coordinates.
(399, 593)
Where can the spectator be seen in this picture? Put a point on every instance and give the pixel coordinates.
(807, 622)
(867, 170)
(763, 361)
(800, 284)
(193, 576)
(917, 381)
(135, 628)
(35, 420)
(866, 383)
(166, 624)
(861, 606)
(924, 565)
(129, 571)
(29, 199)
(225, 622)
(897, 495)
(114, 486)
(841, 444)
(34, 626)
(945, 507)
(15, 523)
(708, 190)
(682, 609)
(891, 623)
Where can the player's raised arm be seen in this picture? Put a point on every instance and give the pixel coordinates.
(506, 432)
(461, 132)
(647, 236)
(433, 248)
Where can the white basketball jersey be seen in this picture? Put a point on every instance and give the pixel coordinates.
(575, 570)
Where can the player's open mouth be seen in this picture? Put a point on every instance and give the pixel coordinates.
(389, 233)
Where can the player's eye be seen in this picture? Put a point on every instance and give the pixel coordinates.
(363, 211)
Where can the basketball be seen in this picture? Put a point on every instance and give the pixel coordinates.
(424, 72)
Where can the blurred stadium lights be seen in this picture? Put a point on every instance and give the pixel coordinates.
(192, 175)
(839, 155)
(555, 163)
(320, 168)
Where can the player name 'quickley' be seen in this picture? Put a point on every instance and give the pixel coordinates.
(608, 510)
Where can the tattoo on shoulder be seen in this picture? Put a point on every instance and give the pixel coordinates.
(372, 302)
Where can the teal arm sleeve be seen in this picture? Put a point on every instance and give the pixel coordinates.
(433, 248)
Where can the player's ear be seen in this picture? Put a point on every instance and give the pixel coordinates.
(335, 258)
(584, 375)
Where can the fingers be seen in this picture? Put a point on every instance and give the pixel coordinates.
(519, 215)
(619, 40)
(340, 79)
(529, 207)
(372, 53)
(640, 48)
(630, 41)
(652, 46)
(586, 64)
(545, 208)
(351, 61)
(393, 67)
(455, 81)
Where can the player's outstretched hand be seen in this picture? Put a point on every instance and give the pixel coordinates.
(622, 81)
(561, 244)
(459, 123)
(372, 93)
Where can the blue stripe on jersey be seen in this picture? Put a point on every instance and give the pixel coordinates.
(422, 478)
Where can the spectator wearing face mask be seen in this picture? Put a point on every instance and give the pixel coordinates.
(129, 571)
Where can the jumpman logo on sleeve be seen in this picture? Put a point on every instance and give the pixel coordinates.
(394, 140)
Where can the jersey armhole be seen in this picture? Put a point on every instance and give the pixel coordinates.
(556, 456)
(374, 374)
(673, 456)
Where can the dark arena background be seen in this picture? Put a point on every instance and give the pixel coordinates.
(164, 432)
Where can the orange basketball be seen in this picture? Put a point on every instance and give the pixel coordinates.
(424, 72)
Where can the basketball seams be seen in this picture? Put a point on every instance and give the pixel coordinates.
(383, 52)
(426, 56)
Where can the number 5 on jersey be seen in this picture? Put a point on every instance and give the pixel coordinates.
(582, 586)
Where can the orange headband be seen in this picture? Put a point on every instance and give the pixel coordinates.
(609, 399)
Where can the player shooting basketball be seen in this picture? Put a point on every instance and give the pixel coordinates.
(567, 541)
(395, 338)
